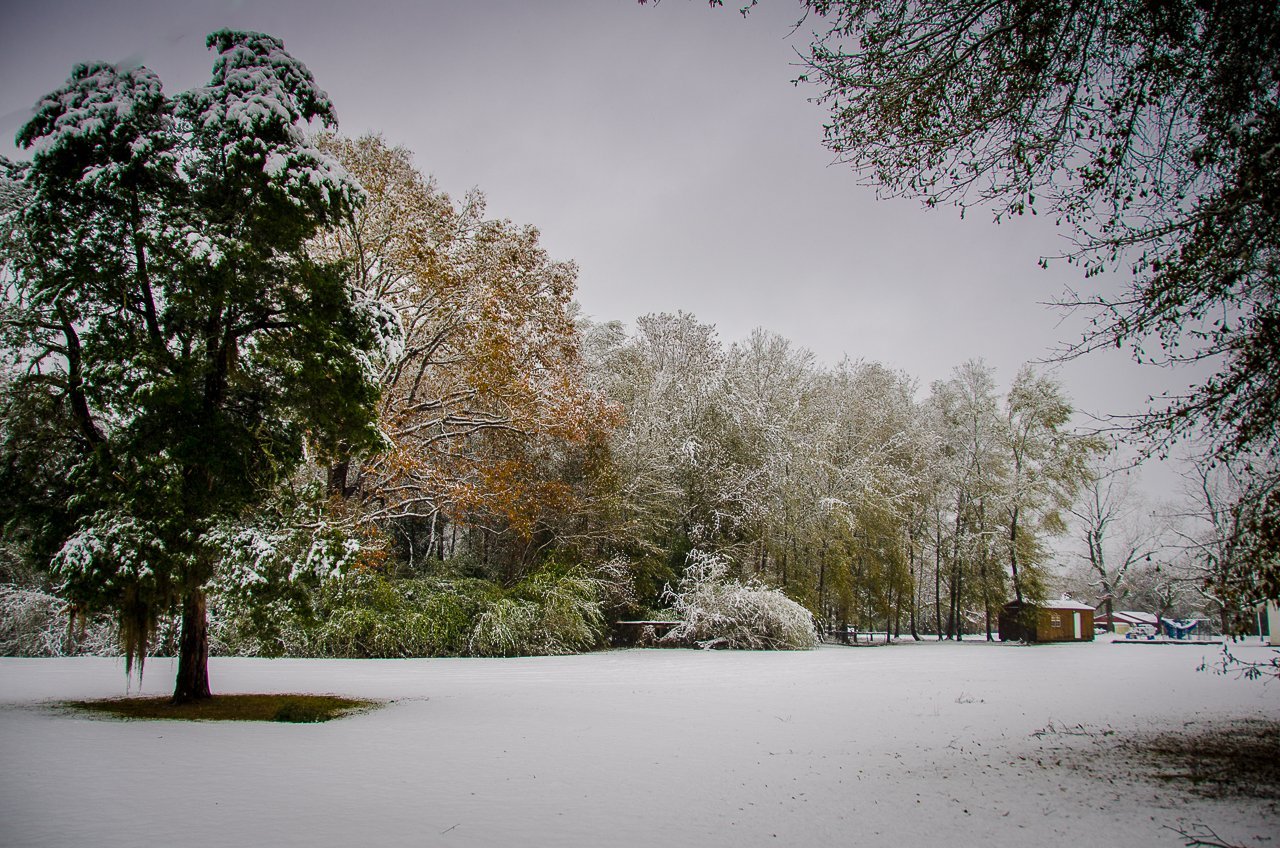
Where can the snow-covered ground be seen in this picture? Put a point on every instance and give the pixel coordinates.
(911, 745)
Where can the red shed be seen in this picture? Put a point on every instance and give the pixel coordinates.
(1048, 621)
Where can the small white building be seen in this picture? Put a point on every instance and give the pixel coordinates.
(1269, 622)
(1122, 621)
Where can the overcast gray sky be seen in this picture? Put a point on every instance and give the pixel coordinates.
(664, 149)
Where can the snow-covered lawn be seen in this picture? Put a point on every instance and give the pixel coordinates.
(913, 745)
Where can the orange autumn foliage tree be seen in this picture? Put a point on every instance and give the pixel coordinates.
(484, 401)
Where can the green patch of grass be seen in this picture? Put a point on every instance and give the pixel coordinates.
(287, 708)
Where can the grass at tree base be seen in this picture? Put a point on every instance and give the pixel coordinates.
(297, 709)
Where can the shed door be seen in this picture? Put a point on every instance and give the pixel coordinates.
(1077, 616)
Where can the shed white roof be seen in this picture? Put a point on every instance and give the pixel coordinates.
(1135, 617)
(1066, 604)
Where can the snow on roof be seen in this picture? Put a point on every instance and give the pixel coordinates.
(1135, 617)
(1066, 604)
(1129, 617)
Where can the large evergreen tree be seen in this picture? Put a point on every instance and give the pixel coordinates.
(164, 315)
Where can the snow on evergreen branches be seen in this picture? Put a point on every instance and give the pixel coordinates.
(256, 108)
(100, 106)
(110, 551)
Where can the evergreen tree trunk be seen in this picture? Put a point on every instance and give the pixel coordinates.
(193, 650)
(337, 482)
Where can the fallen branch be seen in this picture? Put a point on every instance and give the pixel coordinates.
(1203, 836)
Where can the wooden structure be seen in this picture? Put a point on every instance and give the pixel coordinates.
(1047, 621)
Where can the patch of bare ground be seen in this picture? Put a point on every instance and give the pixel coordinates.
(1225, 761)
(1214, 759)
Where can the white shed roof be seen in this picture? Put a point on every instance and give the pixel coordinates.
(1135, 617)
(1066, 604)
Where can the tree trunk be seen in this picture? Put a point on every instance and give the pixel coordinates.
(193, 651)
(984, 569)
(956, 625)
(822, 585)
(1013, 555)
(937, 578)
(894, 617)
(338, 478)
(986, 596)
(915, 584)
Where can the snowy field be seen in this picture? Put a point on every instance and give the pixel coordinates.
(911, 745)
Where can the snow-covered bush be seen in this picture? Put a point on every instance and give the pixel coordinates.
(508, 628)
(549, 613)
(616, 587)
(721, 612)
(368, 615)
(358, 615)
(37, 624)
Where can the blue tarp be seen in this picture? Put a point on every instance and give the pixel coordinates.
(1178, 629)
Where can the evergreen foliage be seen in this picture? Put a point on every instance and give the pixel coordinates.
(164, 310)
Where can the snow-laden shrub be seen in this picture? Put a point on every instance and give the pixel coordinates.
(616, 587)
(721, 612)
(369, 615)
(37, 624)
(549, 613)
(366, 614)
(508, 628)
(269, 628)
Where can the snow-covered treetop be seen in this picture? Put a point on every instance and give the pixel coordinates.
(104, 114)
(256, 84)
(254, 111)
(108, 120)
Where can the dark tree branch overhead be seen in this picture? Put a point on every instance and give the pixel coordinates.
(1149, 132)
